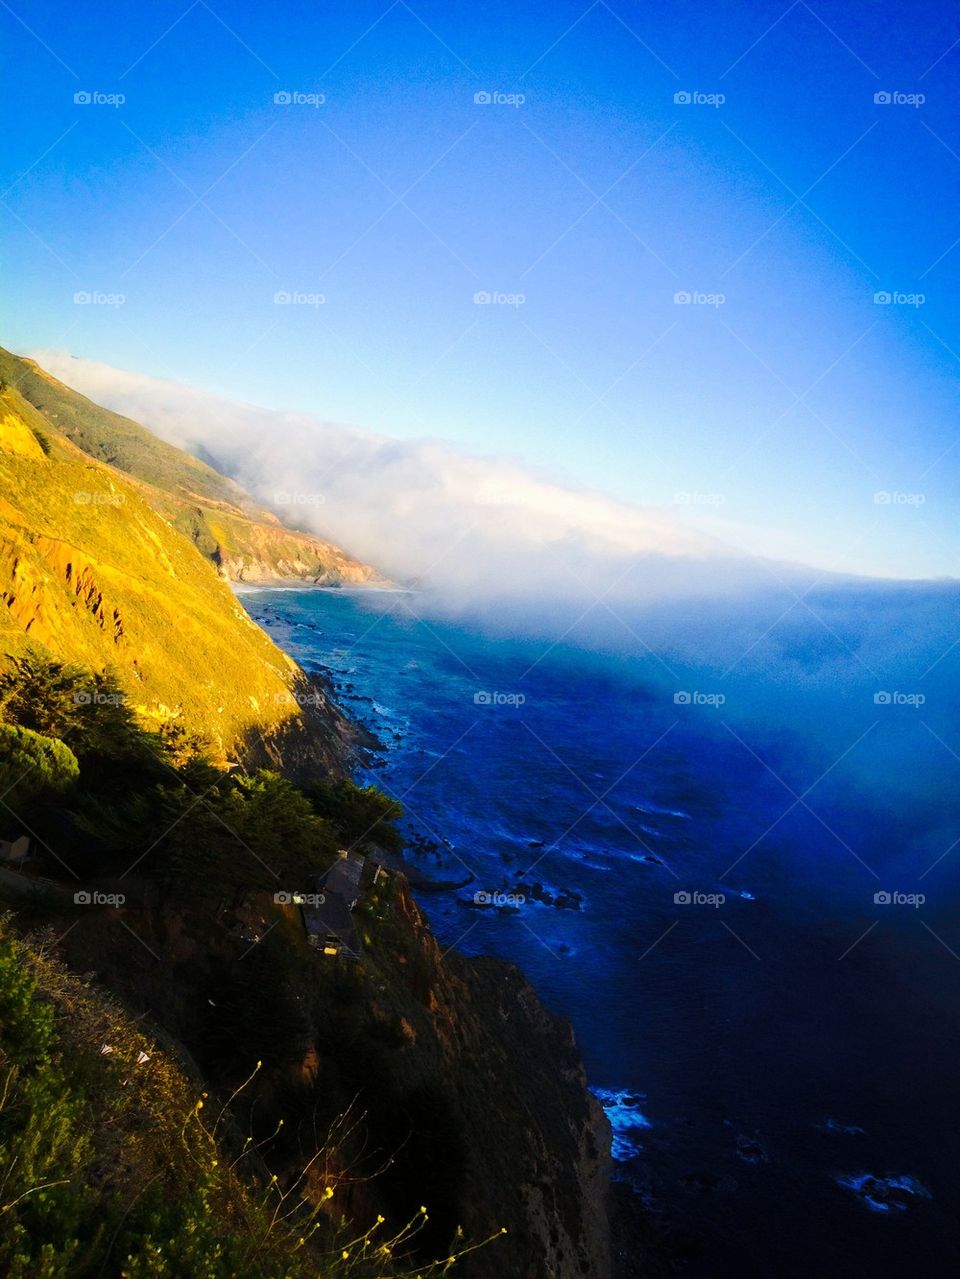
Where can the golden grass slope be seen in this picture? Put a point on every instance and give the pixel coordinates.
(92, 573)
(245, 541)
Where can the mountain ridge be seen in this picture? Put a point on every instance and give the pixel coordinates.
(92, 574)
(243, 539)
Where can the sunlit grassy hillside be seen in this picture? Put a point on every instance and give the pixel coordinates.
(244, 541)
(92, 573)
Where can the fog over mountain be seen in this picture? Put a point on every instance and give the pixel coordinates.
(420, 508)
(493, 540)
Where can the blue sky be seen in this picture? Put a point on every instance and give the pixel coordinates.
(774, 416)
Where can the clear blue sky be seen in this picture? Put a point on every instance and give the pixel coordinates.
(598, 198)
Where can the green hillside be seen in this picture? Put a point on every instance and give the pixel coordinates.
(243, 540)
(92, 574)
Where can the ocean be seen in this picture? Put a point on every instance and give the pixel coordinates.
(744, 901)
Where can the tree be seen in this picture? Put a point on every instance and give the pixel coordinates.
(34, 764)
(359, 814)
(88, 712)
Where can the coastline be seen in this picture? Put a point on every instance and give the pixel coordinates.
(596, 1178)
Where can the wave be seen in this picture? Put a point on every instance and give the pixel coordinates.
(622, 1108)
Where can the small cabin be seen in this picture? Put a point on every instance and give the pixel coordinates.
(330, 927)
(343, 878)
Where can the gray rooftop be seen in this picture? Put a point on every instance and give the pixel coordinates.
(343, 877)
(331, 920)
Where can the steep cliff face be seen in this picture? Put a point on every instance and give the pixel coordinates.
(537, 1141)
(463, 1092)
(428, 1078)
(90, 572)
(243, 540)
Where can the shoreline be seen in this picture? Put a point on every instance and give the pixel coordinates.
(246, 586)
(421, 883)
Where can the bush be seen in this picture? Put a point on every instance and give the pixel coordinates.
(238, 834)
(86, 711)
(35, 764)
(359, 814)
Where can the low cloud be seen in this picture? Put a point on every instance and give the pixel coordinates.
(805, 668)
(491, 541)
(423, 511)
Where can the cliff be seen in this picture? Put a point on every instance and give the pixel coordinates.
(423, 1077)
(91, 573)
(413, 1077)
(243, 540)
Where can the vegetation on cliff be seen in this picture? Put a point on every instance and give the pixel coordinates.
(180, 779)
(242, 539)
(93, 575)
(114, 1161)
(411, 1078)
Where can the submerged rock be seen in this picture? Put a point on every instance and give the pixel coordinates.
(883, 1194)
(751, 1150)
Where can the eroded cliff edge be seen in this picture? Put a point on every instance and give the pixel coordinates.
(462, 1090)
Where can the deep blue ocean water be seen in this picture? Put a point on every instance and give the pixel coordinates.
(779, 1049)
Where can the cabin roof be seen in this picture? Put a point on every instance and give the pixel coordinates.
(344, 876)
(332, 918)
